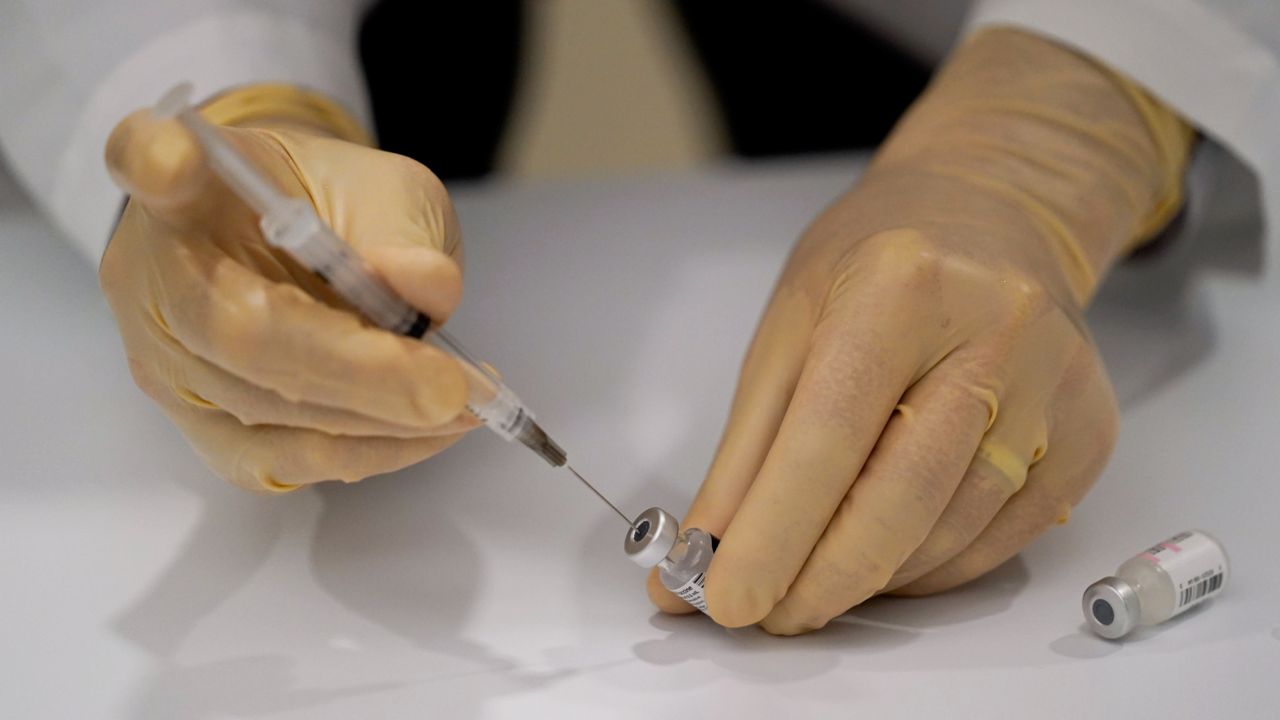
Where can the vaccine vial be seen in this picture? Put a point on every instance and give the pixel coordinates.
(654, 538)
(1164, 580)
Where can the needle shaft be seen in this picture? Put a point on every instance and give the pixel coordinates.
(599, 494)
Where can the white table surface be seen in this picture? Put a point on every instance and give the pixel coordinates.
(484, 584)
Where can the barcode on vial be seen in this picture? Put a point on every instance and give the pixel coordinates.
(1200, 589)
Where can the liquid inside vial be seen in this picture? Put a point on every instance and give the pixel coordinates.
(684, 570)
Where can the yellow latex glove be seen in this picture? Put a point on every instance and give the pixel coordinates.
(268, 375)
(922, 397)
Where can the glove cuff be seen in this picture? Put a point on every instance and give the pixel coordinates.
(1171, 138)
(287, 104)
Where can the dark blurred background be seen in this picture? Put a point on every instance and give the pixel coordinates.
(562, 88)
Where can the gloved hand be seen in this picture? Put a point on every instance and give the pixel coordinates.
(922, 397)
(271, 378)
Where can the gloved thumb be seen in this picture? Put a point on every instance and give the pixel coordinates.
(160, 165)
(425, 277)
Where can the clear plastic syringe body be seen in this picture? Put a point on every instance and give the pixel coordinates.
(682, 557)
(1163, 581)
(292, 225)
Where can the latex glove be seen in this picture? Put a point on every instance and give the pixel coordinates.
(268, 375)
(922, 398)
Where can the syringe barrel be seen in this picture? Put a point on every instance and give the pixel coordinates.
(294, 227)
(490, 400)
(492, 403)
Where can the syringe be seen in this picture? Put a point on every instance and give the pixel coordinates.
(292, 225)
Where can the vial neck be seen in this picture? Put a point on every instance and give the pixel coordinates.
(677, 555)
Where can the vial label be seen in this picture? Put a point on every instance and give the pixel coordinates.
(1194, 562)
(691, 592)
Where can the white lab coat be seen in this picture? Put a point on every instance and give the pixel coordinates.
(70, 69)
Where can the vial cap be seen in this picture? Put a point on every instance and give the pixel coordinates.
(651, 536)
(1111, 607)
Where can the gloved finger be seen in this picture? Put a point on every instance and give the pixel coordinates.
(855, 373)
(1081, 435)
(273, 459)
(1041, 358)
(425, 277)
(985, 489)
(278, 337)
(159, 164)
(1028, 513)
(906, 483)
(1016, 441)
(769, 375)
(202, 384)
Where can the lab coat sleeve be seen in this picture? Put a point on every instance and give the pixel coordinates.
(70, 70)
(1217, 62)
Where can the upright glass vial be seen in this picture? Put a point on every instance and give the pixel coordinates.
(1164, 580)
(682, 557)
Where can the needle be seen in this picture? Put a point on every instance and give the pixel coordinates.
(600, 495)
